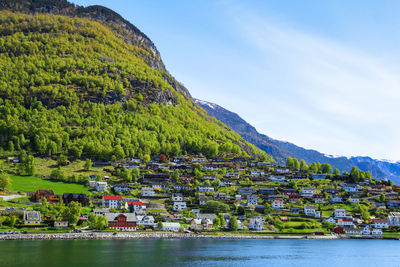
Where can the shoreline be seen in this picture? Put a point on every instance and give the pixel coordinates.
(135, 235)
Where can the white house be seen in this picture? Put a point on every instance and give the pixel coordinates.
(340, 213)
(235, 175)
(280, 179)
(179, 205)
(345, 222)
(277, 204)
(381, 223)
(114, 202)
(92, 183)
(350, 187)
(335, 199)
(171, 226)
(101, 186)
(211, 168)
(366, 230)
(309, 210)
(148, 192)
(394, 218)
(256, 224)
(257, 173)
(376, 231)
(121, 188)
(252, 200)
(308, 192)
(330, 220)
(205, 188)
(136, 205)
(177, 197)
(354, 200)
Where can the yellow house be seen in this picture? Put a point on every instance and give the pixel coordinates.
(61, 225)
(32, 217)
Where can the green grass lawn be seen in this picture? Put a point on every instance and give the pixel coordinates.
(31, 183)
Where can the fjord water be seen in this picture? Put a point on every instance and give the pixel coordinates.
(199, 252)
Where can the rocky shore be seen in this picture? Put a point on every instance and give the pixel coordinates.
(136, 235)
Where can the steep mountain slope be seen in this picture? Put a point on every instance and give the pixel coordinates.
(87, 83)
(280, 150)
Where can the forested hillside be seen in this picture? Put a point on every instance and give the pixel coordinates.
(87, 88)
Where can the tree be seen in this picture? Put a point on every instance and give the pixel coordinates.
(215, 207)
(146, 158)
(135, 174)
(313, 167)
(296, 164)
(336, 171)
(382, 198)
(160, 225)
(72, 212)
(303, 165)
(326, 168)
(98, 222)
(87, 165)
(289, 163)
(355, 174)
(233, 224)
(5, 181)
(222, 220)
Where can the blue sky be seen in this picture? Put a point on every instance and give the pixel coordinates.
(320, 74)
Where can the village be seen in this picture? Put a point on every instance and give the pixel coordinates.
(193, 194)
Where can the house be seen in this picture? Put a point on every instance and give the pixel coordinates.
(147, 192)
(211, 168)
(376, 231)
(135, 206)
(295, 210)
(252, 200)
(186, 178)
(298, 176)
(145, 220)
(345, 222)
(288, 191)
(267, 191)
(226, 183)
(354, 200)
(112, 202)
(319, 198)
(205, 188)
(179, 159)
(92, 183)
(121, 188)
(178, 216)
(101, 186)
(179, 205)
(280, 179)
(177, 197)
(350, 187)
(234, 175)
(47, 194)
(318, 176)
(201, 224)
(80, 198)
(156, 178)
(199, 159)
(294, 197)
(171, 226)
(282, 170)
(257, 173)
(366, 230)
(208, 216)
(277, 204)
(393, 204)
(238, 197)
(308, 192)
(61, 225)
(335, 199)
(340, 213)
(246, 191)
(331, 191)
(220, 196)
(32, 217)
(352, 230)
(209, 177)
(101, 212)
(203, 199)
(122, 221)
(309, 210)
(381, 223)
(330, 220)
(338, 230)
(256, 224)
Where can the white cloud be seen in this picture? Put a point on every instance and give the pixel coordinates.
(327, 96)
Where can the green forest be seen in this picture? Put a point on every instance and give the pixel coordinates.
(73, 86)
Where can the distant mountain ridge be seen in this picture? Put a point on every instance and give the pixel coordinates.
(280, 150)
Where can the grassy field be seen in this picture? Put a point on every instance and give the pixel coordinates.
(31, 183)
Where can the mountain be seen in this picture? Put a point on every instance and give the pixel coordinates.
(280, 150)
(84, 82)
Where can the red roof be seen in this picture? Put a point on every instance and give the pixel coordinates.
(112, 198)
(380, 220)
(135, 203)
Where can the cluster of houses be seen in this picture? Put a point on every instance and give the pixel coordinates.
(261, 187)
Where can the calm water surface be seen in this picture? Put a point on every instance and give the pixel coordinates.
(193, 252)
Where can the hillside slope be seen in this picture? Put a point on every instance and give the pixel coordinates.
(280, 150)
(87, 83)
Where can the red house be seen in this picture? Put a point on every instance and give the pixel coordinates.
(338, 230)
(121, 221)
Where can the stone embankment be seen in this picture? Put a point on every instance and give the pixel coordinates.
(136, 235)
